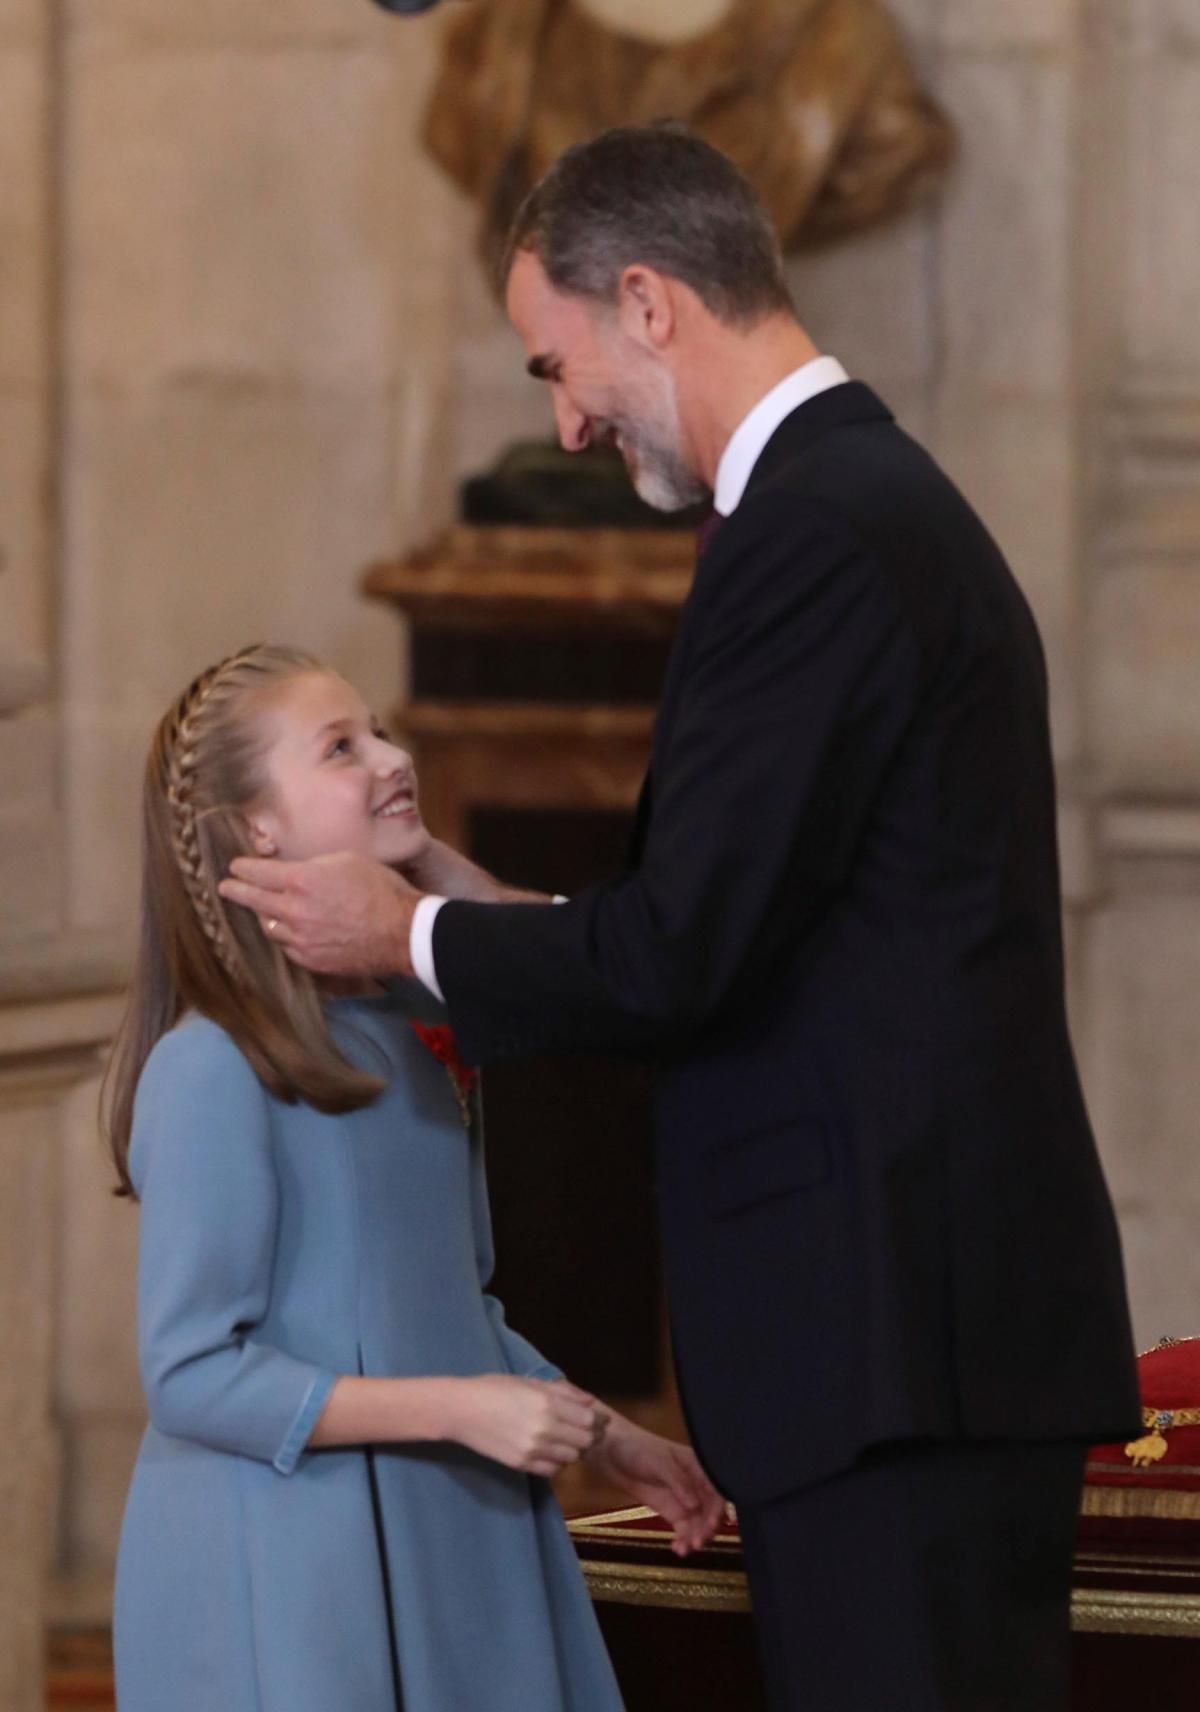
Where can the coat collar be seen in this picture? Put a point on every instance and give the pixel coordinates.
(839, 407)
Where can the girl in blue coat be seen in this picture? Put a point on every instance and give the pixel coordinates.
(341, 1502)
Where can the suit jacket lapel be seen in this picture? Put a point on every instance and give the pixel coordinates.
(672, 679)
(838, 407)
(641, 818)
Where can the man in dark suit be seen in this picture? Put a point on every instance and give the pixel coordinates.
(895, 1279)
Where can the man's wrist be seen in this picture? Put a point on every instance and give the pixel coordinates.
(399, 932)
(420, 943)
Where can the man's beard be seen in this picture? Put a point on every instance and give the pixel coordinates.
(658, 473)
(656, 466)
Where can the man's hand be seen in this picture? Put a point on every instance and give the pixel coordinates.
(663, 1475)
(335, 915)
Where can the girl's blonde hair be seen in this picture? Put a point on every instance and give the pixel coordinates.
(204, 773)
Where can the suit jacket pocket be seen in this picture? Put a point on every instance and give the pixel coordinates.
(782, 1158)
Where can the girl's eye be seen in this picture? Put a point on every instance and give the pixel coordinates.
(340, 746)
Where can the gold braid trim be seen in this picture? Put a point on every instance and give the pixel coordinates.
(1161, 1504)
(181, 761)
(1165, 1418)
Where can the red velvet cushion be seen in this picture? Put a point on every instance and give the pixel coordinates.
(1158, 1495)
(1169, 1378)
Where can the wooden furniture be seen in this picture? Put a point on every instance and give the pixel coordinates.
(681, 1635)
(510, 629)
(536, 660)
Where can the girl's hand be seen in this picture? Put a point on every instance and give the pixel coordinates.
(532, 1424)
(664, 1476)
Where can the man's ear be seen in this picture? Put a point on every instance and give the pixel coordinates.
(646, 307)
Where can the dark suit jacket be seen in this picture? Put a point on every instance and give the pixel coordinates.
(840, 937)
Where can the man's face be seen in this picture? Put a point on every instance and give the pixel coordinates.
(607, 387)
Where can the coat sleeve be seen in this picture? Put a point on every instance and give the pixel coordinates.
(202, 1166)
(801, 679)
(521, 1356)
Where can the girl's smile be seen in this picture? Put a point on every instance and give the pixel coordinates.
(402, 802)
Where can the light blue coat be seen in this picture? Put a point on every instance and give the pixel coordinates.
(279, 1248)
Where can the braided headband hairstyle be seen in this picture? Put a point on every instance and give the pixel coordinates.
(204, 773)
(180, 758)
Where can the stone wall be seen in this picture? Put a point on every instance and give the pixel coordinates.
(244, 348)
(1139, 644)
(1038, 329)
(226, 301)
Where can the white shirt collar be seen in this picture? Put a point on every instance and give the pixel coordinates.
(752, 433)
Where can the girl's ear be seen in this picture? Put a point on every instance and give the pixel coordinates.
(261, 836)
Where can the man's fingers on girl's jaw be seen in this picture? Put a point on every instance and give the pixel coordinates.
(271, 874)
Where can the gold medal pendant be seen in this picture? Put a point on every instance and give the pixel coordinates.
(1147, 1451)
(1152, 1446)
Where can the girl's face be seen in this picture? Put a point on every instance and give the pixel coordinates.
(335, 781)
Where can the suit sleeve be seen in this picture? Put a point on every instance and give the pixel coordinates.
(202, 1165)
(519, 1354)
(801, 679)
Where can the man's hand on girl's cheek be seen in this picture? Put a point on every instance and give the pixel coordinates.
(335, 915)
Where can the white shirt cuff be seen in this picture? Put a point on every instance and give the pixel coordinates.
(420, 943)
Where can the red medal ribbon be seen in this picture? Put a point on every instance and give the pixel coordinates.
(438, 1038)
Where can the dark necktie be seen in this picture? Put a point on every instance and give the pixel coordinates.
(704, 534)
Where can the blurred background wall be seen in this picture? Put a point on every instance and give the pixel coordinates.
(245, 349)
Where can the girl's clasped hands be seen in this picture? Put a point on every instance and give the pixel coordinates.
(542, 1427)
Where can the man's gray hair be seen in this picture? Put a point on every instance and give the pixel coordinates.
(660, 196)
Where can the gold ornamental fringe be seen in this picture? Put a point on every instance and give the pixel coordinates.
(1160, 1504)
